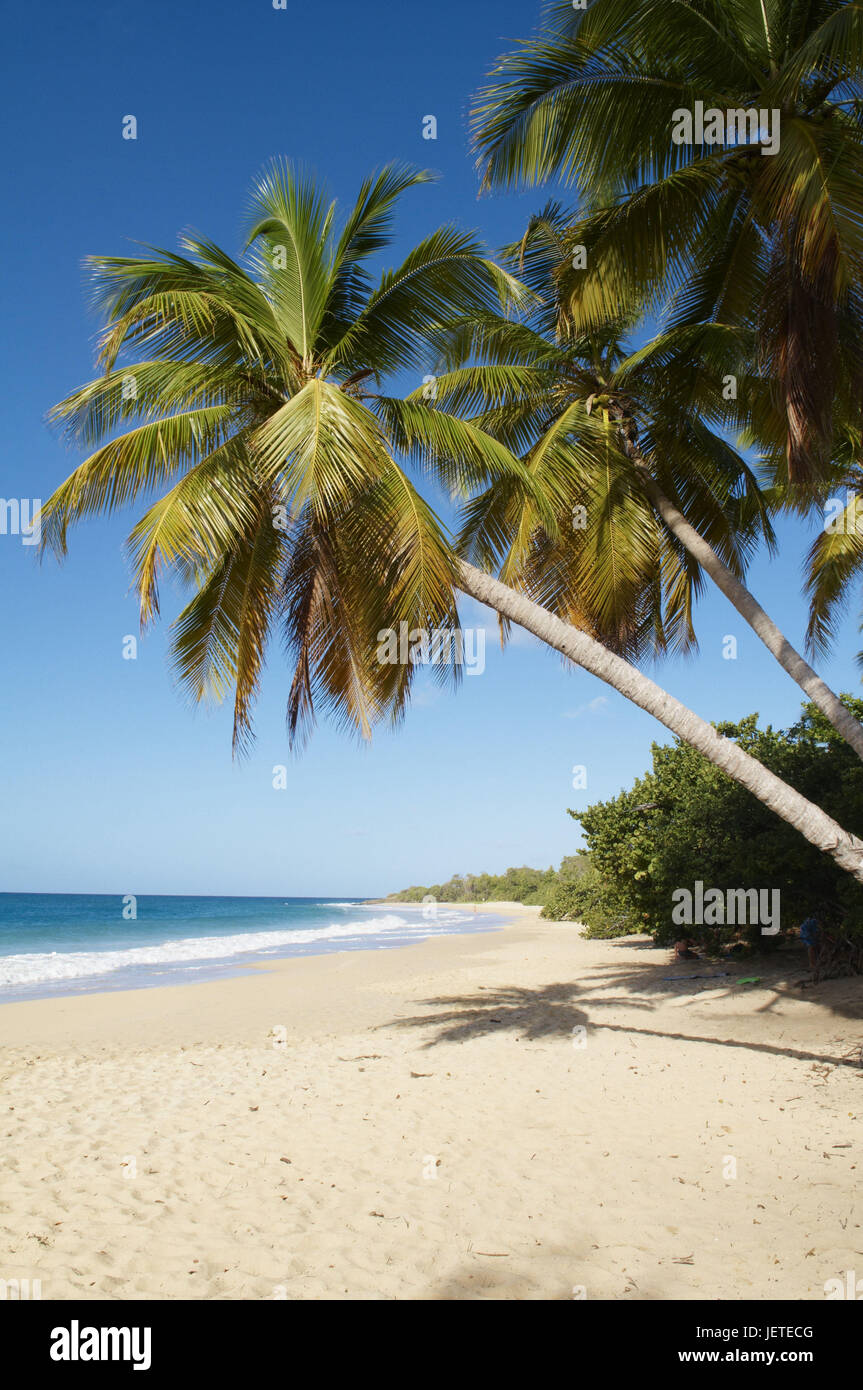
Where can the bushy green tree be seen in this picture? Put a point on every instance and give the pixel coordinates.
(685, 820)
(580, 895)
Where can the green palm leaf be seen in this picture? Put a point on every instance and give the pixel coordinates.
(243, 390)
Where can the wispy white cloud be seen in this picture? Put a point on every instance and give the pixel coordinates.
(424, 694)
(592, 707)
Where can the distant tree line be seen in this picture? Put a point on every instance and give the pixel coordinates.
(533, 887)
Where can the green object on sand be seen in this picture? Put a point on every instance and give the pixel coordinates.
(750, 980)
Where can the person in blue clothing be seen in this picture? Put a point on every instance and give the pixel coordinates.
(810, 935)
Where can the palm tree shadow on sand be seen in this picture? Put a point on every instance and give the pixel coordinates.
(546, 1011)
(555, 1010)
(472, 1282)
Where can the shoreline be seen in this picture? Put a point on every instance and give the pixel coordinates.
(84, 1014)
(204, 969)
(379, 1124)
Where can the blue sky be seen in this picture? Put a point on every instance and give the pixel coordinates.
(111, 784)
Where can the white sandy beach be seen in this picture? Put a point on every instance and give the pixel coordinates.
(424, 1123)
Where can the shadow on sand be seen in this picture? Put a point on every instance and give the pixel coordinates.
(554, 1010)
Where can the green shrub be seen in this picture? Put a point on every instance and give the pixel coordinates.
(686, 821)
(583, 898)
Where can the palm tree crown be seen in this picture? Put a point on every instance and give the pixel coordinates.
(727, 234)
(573, 405)
(262, 435)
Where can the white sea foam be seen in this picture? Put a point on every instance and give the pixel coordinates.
(56, 966)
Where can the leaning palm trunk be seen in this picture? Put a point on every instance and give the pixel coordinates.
(747, 606)
(818, 828)
(761, 623)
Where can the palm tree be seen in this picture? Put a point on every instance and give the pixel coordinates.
(279, 498)
(602, 430)
(774, 242)
(835, 557)
(573, 528)
(283, 505)
(765, 251)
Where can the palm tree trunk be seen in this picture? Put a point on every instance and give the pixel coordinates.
(818, 828)
(748, 607)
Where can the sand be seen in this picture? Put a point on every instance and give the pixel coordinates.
(424, 1123)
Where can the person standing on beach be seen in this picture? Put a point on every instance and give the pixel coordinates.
(810, 934)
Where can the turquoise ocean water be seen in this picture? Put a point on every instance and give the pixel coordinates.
(73, 943)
